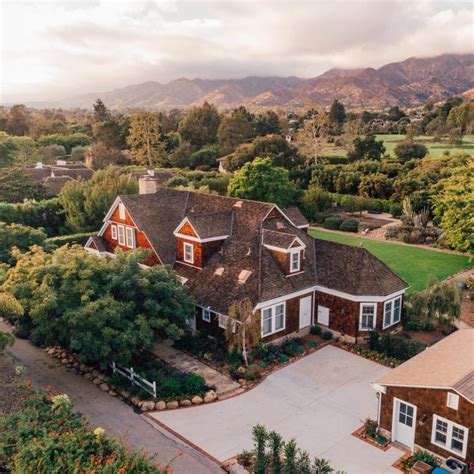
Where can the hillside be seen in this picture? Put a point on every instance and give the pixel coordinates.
(405, 83)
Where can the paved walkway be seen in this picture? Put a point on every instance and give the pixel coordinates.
(182, 361)
(117, 418)
(319, 400)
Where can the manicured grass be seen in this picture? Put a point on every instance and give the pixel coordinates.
(415, 265)
(435, 149)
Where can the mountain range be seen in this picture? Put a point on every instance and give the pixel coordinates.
(407, 83)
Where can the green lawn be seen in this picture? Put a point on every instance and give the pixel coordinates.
(415, 265)
(435, 149)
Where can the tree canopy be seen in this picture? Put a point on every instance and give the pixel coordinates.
(19, 236)
(103, 309)
(144, 137)
(86, 202)
(16, 186)
(199, 126)
(261, 181)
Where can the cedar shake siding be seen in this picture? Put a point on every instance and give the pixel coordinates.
(242, 249)
(430, 402)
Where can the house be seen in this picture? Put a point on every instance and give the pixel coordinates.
(428, 401)
(225, 250)
(54, 177)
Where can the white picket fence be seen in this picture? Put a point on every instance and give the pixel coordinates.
(136, 379)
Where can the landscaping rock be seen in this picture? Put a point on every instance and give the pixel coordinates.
(161, 405)
(104, 387)
(113, 393)
(136, 401)
(88, 376)
(83, 368)
(210, 396)
(125, 394)
(64, 361)
(172, 405)
(51, 350)
(185, 403)
(95, 373)
(196, 400)
(148, 406)
(101, 376)
(97, 381)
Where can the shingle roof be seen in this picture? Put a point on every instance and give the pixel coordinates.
(447, 364)
(54, 184)
(211, 225)
(248, 224)
(354, 270)
(281, 240)
(295, 216)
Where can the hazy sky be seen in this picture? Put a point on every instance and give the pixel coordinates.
(55, 49)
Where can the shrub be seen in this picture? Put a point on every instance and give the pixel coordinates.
(283, 358)
(420, 455)
(320, 217)
(48, 436)
(402, 347)
(395, 209)
(327, 335)
(292, 348)
(370, 427)
(333, 222)
(80, 239)
(349, 225)
(181, 385)
(316, 330)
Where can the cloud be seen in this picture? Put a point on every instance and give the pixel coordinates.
(54, 49)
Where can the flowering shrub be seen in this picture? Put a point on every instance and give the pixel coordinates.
(46, 436)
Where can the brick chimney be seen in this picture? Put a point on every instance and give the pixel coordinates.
(146, 185)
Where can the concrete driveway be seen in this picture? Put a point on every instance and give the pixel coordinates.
(319, 400)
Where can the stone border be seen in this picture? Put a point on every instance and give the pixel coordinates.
(102, 380)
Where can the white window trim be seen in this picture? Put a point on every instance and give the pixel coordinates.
(206, 315)
(295, 252)
(113, 229)
(449, 436)
(130, 237)
(374, 305)
(188, 246)
(392, 323)
(452, 401)
(121, 211)
(272, 308)
(222, 320)
(121, 236)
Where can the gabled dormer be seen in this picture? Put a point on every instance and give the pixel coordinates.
(287, 249)
(198, 237)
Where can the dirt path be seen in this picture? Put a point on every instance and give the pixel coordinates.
(117, 418)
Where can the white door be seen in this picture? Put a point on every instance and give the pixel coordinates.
(404, 423)
(305, 312)
(323, 315)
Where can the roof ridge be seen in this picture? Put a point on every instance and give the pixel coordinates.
(278, 232)
(368, 256)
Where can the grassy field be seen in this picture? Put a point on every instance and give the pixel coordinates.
(415, 265)
(435, 149)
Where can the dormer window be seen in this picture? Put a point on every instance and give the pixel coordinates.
(188, 252)
(295, 264)
(121, 211)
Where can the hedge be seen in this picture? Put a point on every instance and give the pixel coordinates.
(61, 240)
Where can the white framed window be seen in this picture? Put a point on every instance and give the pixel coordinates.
(295, 261)
(113, 230)
(392, 312)
(121, 234)
(273, 319)
(453, 401)
(449, 436)
(130, 234)
(188, 252)
(368, 316)
(121, 211)
(206, 315)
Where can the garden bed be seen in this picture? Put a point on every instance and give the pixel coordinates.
(368, 433)
(406, 462)
(174, 388)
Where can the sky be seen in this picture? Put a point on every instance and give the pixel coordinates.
(56, 49)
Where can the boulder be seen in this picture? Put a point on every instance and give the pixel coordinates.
(196, 400)
(135, 401)
(161, 405)
(95, 373)
(51, 350)
(113, 393)
(210, 396)
(125, 394)
(97, 381)
(185, 403)
(83, 368)
(148, 406)
(104, 387)
(64, 361)
(88, 376)
(172, 405)
(101, 376)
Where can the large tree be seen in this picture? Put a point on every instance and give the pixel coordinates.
(200, 125)
(101, 112)
(454, 208)
(261, 181)
(366, 148)
(86, 202)
(19, 236)
(234, 130)
(406, 151)
(144, 137)
(19, 120)
(337, 113)
(103, 309)
(16, 186)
